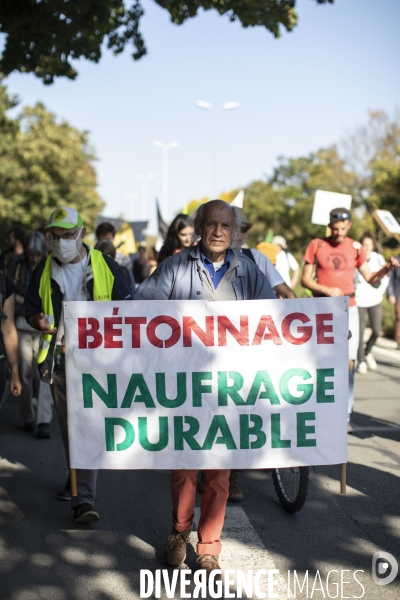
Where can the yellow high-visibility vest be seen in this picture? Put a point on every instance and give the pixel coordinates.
(103, 283)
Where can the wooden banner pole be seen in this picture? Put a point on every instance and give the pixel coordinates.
(343, 478)
(74, 487)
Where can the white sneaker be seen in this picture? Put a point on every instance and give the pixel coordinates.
(362, 368)
(371, 362)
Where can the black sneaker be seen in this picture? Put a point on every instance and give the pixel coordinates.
(65, 494)
(85, 513)
(43, 431)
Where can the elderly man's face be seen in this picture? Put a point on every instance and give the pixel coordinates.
(217, 228)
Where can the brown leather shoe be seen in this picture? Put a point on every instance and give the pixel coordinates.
(235, 491)
(175, 548)
(209, 563)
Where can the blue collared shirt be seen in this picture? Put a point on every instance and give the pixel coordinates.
(216, 276)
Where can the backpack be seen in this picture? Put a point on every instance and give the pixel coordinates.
(247, 252)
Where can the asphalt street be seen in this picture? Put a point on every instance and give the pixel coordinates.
(44, 555)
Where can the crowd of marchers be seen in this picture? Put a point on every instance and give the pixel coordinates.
(204, 258)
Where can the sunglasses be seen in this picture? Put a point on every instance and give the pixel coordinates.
(340, 216)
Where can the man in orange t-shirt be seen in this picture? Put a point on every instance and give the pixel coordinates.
(335, 258)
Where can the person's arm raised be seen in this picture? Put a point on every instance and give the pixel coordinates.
(377, 276)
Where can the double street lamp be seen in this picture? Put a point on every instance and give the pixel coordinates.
(164, 197)
(217, 111)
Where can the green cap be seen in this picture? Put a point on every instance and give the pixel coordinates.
(65, 217)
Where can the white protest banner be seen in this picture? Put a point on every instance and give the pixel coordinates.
(197, 385)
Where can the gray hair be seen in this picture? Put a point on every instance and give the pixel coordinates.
(35, 243)
(238, 222)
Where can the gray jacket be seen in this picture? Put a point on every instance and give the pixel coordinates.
(181, 277)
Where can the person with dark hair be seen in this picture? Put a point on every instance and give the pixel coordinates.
(36, 409)
(8, 338)
(369, 301)
(141, 265)
(211, 271)
(107, 231)
(179, 236)
(15, 248)
(329, 268)
(106, 247)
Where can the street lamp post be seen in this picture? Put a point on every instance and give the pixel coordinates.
(164, 197)
(217, 111)
(144, 179)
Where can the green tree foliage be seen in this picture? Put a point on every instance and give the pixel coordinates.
(373, 152)
(43, 164)
(384, 179)
(284, 202)
(43, 36)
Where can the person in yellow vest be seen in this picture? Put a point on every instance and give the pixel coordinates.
(72, 272)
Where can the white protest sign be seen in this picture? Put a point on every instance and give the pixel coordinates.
(197, 385)
(387, 221)
(324, 202)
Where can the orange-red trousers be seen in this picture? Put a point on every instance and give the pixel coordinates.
(212, 508)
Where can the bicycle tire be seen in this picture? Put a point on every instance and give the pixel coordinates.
(291, 485)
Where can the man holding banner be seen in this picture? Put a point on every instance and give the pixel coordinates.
(211, 271)
(72, 272)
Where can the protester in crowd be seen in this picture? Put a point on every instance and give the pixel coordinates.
(107, 231)
(212, 270)
(15, 248)
(286, 262)
(36, 409)
(73, 272)
(329, 271)
(394, 299)
(141, 265)
(369, 301)
(8, 338)
(179, 237)
(107, 247)
(275, 279)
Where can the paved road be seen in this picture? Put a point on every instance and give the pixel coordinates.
(45, 556)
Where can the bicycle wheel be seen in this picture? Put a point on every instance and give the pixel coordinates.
(291, 485)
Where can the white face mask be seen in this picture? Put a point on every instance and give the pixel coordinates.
(67, 250)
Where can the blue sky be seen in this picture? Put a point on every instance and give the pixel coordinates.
(301, 92)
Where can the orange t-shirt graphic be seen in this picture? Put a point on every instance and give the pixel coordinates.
(336, 263)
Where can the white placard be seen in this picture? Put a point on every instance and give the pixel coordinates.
(387, 221)
(197, 385)
(324, 202)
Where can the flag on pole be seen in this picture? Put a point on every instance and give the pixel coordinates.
(162, 226)
(238, 201)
